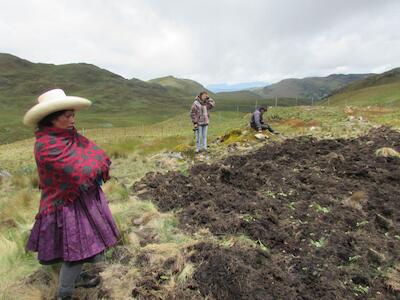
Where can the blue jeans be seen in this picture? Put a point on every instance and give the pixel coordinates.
(201, 137)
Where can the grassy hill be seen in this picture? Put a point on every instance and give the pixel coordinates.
(307, 88)
(117, 102)
(21, 81)
(121, 102)
(380, 89)
(187, 86)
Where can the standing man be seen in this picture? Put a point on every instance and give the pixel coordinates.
(257, 121)
(200, 117)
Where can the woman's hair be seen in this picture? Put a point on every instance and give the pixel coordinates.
(202, 93)
(47, 121)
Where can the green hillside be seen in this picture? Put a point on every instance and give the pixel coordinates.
(310, 87)
(240, 95)
(187, 86)
(121, 102)
(117, 102)
(380, 89)
(21, 82)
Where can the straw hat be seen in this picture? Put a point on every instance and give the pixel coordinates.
(52, 101)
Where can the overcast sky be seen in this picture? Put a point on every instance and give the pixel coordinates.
(211, 41)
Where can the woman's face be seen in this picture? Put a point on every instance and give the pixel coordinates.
(204, 96)
(66, 120)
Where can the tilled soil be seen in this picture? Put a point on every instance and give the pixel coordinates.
(325, 213)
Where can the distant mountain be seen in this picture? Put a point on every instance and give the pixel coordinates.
(225, 87)
(378, 89)
(307, 88)
(186, 86)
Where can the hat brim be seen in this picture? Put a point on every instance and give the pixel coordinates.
(41, 110)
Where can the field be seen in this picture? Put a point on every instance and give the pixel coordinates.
(311, 214)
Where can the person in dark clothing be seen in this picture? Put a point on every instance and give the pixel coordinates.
(257, 121)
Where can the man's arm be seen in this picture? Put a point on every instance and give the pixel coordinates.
(210, 103)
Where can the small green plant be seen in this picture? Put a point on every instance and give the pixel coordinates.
(270, 194)
(362, 223)
(281, 193)
(164, 277)
(291, 206)
(319, 243)
(360, 289)
(185, 172)
(262, 246)
(319, 208)
(227, 242)
(275, 117)
(354, 258)
(249, 218)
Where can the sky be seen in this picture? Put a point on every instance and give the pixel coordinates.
(210, 41)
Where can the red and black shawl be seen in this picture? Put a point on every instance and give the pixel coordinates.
(68, 164)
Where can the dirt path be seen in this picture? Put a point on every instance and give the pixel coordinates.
(325, 214)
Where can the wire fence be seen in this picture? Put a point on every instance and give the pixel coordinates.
(276, 102)
(181, 126)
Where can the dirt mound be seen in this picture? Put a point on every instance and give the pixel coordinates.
(328, 211)
(237, 273)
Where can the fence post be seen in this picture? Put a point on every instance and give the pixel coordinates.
(276, 101)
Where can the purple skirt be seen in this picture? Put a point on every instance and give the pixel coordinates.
(75, 232)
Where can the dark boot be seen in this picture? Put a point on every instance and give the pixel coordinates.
(64, 298)
(87, 281)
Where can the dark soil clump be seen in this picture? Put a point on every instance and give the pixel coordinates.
(327, 210)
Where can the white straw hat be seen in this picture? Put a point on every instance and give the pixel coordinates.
(52, 101)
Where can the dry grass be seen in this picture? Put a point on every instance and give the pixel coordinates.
(387, 152)
(185, 274)
(116, 191)
(118, 281)
(393, 278)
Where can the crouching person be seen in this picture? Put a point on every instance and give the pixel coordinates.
(257, 121)
(200, 117)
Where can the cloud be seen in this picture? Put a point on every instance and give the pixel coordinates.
(209, 41)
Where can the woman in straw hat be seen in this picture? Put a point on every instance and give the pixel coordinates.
(74, 224)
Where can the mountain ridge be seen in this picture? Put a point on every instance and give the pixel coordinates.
(378, 89)
(308, 87)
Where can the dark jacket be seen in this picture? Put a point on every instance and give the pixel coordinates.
(257, 121)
